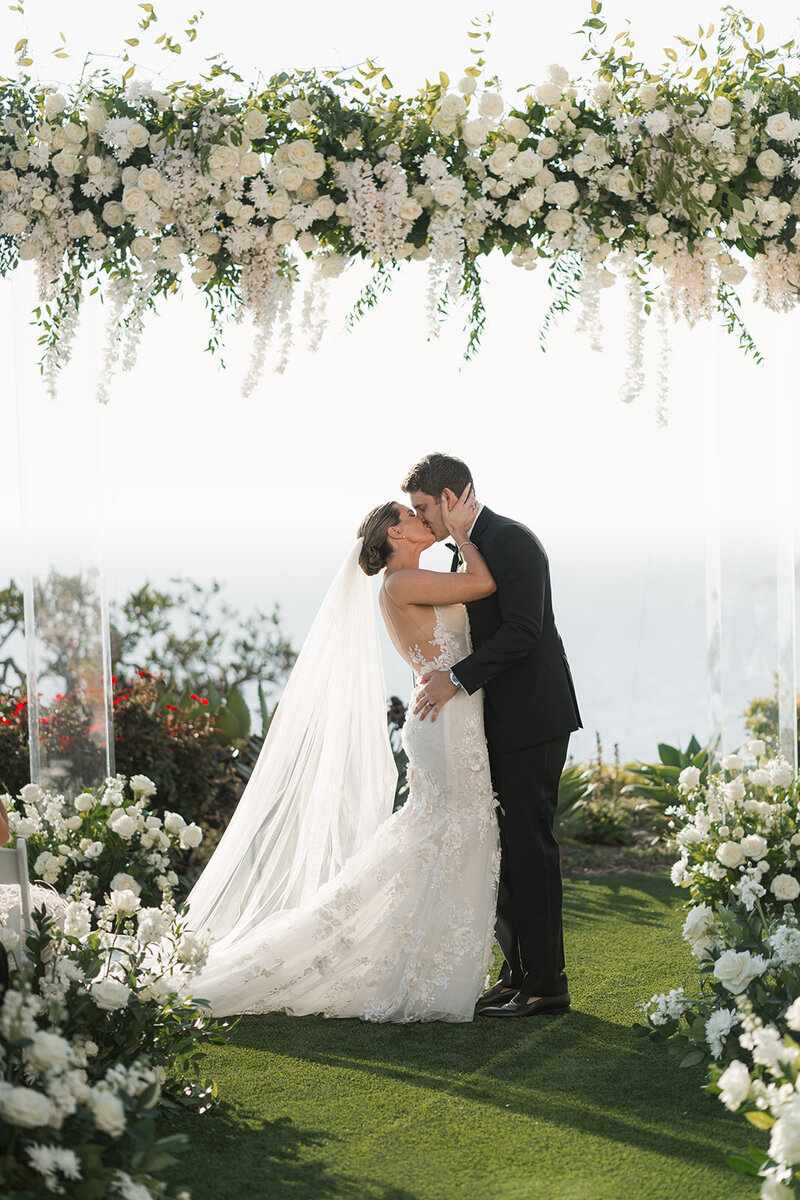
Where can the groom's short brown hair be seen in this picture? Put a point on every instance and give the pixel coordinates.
(435, 472)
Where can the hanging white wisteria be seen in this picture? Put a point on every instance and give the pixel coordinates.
(671, 180)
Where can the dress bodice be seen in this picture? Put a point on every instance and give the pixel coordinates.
(448, 645)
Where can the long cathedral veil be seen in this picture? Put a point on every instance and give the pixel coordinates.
(325, 778)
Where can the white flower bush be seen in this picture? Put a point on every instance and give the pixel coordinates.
(738, 838)
(100, 1019)
(674, 180)
(102, 841)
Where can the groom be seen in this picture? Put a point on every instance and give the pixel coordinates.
(530, 710)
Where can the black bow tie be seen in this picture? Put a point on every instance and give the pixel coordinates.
(456, 555)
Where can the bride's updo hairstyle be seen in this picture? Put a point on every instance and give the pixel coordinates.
(374, 529)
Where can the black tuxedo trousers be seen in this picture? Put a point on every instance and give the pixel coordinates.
(530, 710)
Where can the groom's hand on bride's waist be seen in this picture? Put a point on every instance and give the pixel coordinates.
(436, 688)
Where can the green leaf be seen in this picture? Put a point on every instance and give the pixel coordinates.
(444, 79)
(761, 1120)
(235, 703)
(743, 1165)
(693, 1058)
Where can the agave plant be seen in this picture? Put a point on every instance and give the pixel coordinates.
(658, 782)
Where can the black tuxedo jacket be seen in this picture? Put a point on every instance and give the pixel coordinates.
(518, 657)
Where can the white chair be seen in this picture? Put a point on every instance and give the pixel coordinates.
(14, 869)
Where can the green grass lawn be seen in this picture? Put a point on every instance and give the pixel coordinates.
(558, 1108)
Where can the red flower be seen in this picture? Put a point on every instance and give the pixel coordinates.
(202, 701)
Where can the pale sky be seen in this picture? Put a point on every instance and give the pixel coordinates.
(266, 494)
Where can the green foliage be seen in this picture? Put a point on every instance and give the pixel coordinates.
(761, 719)
(657, 783)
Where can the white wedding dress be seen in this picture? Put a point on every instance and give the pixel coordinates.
(403, 929)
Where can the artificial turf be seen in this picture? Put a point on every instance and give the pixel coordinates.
(551, 1108)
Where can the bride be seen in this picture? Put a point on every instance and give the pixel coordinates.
(318, 898)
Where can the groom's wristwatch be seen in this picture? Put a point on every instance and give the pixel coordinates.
(456, 680)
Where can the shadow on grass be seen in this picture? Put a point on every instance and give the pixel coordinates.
(618, 897)
(245, 1157)
(575, 1071)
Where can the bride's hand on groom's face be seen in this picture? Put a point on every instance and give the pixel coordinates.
(460, 517)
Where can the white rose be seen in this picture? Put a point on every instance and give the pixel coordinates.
(9, 938)
(66, 163)
(491, 106)
(558, 221)
(784, 1142)
(452, 105)
(759, 777)
(785, 887)
(123, 825)
(48, 1050)
(250, 163)
(448, 191)
(780, 127)
(720, 111)
(134, 199)
(733, 274)
(443, 125)
(528, 163)
(124, 902)
(24, 1107)
(192, 835)
(300, 151)
(14, 223)
(533, 197)
(549, 94)
(500, 159)
(735, 790)
(138, 136)
(223, 162)
(150, 179)
(291, 177)
(564, 194)
(93, 850)
(332, 265)
(299, 111)
(467, 85)
(324, 208)
(83, 802)
(74, 133)
(754, 846)
(254, 123)
(793, 1014)
(54, 103)
(277, 205)
(734, 1084)
(143, 248)
(516, 128)
(109, 994)
(113, 214)
(308, 244)
(756, 747)
(620, 182)
(582, 163)
(474, 133)
(602, 94)
(736, 970)
(689, 777)
(781, 774)
(25, 827)
(96, 118)
(516, 214)
(731, 762)
(770, 164)
(647, 95)
(9, 181)
(730, 854)
(410, 210)
(173, 822)
(124, 882)
(314, 167)
(548, 147)
(109, 1113)
(283, 232)
(140, 784)
(558, 74)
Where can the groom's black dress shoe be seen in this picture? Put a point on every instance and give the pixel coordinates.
(520, 1007)
(496, 995)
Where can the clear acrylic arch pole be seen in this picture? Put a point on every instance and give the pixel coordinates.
(64, 489)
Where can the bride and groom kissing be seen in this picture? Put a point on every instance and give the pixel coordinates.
(318, 898)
